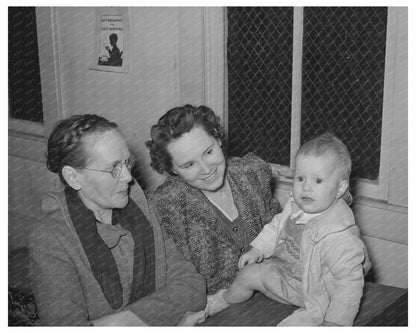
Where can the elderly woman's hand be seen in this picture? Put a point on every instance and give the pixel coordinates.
(123, 318)
(192, 318)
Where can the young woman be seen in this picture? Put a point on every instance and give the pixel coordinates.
(211, 206)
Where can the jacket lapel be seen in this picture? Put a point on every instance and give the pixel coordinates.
(243, 200)
(202, 207)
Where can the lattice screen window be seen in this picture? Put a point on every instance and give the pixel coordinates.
(25, 97)
(259, 81)
(342, 80)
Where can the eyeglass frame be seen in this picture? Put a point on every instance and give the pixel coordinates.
(129, 163)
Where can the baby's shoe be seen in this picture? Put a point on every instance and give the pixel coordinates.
(216, 303)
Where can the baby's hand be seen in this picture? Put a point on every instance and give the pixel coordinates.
(250, 257)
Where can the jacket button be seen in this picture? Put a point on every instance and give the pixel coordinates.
(235, 229)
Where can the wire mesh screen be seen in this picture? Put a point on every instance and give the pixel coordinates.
(25, 98)
(343, 79)
(260, 81)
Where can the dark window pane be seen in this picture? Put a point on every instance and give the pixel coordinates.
(259, 54)
(343, 80)
(25, 99)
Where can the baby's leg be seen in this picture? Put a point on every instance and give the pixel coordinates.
(240, 290)
(279, 285)
(247, 281)
(263, 277)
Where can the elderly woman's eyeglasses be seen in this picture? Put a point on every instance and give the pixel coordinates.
(116, 170)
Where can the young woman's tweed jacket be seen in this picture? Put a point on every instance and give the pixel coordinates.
(194, 224)
(66, 291)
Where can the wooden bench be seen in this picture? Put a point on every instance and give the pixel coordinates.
(380, 306)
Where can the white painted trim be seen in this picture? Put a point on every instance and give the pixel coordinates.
(49, 63)
(296, 83)
(367, 188)
(176, 59)
(225, 115)
(56, 111)
(399, 155)
(27, 146)
(388, 103)
(18, 126)
(215, 60)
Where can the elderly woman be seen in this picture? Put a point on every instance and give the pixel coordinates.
(212, 207)
(100, 257)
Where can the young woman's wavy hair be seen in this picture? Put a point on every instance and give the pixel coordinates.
(172, 125)
(66, 144)
(330, 146)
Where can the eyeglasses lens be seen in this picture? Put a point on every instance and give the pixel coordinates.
(130, 162)
(118, 168)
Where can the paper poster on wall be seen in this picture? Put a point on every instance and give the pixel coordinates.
(111, 47)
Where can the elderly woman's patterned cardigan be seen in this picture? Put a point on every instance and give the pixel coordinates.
(198, 231)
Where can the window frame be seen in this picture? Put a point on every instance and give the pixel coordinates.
(377, 189)
(46, 18)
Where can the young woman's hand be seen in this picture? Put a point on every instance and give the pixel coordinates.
(250, 257)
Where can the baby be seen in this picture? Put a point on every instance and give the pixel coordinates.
(317, 260)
